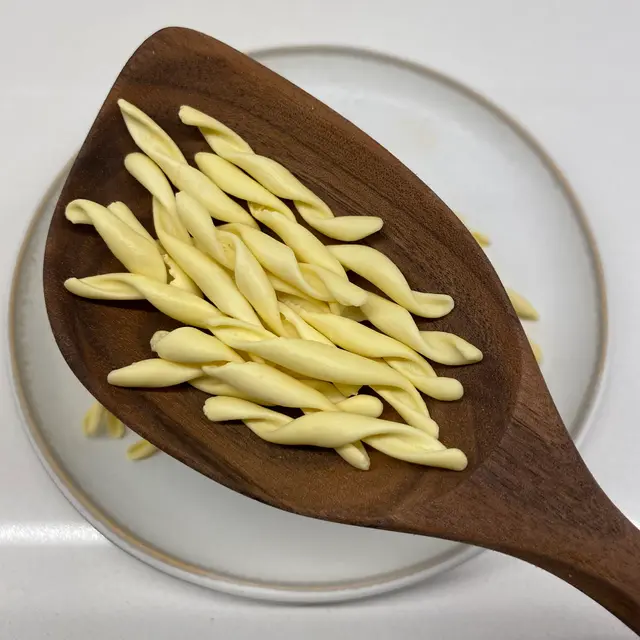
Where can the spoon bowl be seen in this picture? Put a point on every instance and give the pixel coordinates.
(525, 492)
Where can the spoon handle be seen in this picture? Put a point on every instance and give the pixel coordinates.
(535, 499)
(603, 563)
(563, 522)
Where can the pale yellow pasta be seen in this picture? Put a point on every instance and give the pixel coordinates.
(188, 345)
(253, 283)
(334, 288)
(197, 220)
(537, 350)
(127, 216)
(229, 250)
(179, 279)
(300, 356)
(384, 274)
(357, 338)
(252, 380)
(237, 183)
(275, 315)
(173, 302)
(103, 287)
(115, 428)
(147, 134)
(216, 388)
(332, 429)
(297, 240)
(122, 244)
(281, 286)
(141, 450)
(482, 239)
(195, 183)
(279, 180)
(134, 251)
(303, 243)
(153, 373)
(92, 420)
(439, 346)
(191, 346)
(307, 304)
(270, 385)
(97, 417)
(363, 404)
(210, 277)
(156, 144)
(277, 258)
(150, 176)
(297, 327)
(522, 306)
(325, 362)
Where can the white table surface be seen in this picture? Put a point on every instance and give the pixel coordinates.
(568, 70)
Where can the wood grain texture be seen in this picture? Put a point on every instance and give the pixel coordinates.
(526, 491)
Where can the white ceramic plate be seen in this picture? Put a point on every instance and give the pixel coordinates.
(484, 166)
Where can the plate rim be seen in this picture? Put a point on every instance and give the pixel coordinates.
(283, 592)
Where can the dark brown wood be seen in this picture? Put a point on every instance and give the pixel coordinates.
(526, 491)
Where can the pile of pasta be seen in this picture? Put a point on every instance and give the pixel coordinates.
(271, 317)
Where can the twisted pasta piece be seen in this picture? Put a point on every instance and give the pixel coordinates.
(222, 244)
(97, 416)
(252, 380)
(439, 346)
(537, 350)
(331, 429)
(214, 281)
(298, 303)
(153, 373)
(191, 346)
(141, 450)
(197, 220)
(123, 244)
(92, 419)
(315, 281)
(328, 363)
(270, 385)
(156, 144)
(120, 210)
(273, 214)
(482, 239)
(147, 134)
(304, 244)
(179, 278)
(237, 183)
(150, 176)
(310, 279)
(132, 249)
(359, 339)
(254, 284)
(187, 345)
(279, 180)
(296, 327)
(384, 274)
(173, 302)
(522, 306)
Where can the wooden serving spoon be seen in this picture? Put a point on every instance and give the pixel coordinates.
(526, 491)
